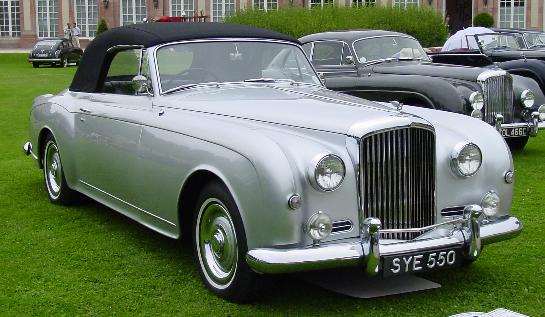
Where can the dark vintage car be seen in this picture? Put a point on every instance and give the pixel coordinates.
(503, 49)
(390, 66)
(54, 51)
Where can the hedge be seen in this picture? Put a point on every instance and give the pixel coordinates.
(426, 25)
(483, 19)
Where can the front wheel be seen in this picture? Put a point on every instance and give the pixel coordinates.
(220, 246)
(35, 65)
(55, 182)
(517, 144)
(64, 62)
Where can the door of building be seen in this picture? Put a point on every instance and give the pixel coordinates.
(458, 14)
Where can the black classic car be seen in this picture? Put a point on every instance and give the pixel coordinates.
(54, 51)
(486, 47)
(390, 66)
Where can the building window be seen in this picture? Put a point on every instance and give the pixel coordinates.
(266, 5)
(180, 8)
(222, 9)
(132, 11)
(10, 25)
(47, 17)
(363, 3)
(86, 17)
(320, 3)
(405, 3)
(512, 14)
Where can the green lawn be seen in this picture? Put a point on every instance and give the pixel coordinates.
(89, 260)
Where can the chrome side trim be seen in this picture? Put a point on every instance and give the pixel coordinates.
(126, 203)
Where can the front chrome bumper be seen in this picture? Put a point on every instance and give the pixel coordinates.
(534, 125)
(44, 60)
(368, 250)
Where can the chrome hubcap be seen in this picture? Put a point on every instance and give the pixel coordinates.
(217, 249)
(53, 169)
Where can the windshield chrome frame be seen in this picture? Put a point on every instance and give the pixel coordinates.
(476, 36)
(230, 39)
(374, 61)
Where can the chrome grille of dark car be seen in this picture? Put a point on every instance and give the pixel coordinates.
(498, 97)
(397, 179)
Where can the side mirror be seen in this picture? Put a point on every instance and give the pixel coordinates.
(349, 60)
(322, 77)
(140, 84)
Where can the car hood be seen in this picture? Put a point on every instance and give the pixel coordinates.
(430, 69)
(309, 107)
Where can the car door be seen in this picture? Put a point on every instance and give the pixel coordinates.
(108, 130)
(332, 58)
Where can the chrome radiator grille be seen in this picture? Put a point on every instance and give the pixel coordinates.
(397, 179)
(498, 97)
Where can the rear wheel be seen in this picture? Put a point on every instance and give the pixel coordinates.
(220, 246)
(517, 144)
(55, 182)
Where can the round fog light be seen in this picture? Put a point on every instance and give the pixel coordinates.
(476, 100)
(319, 226)
(478, 114)
(541, 111)
(490, 203)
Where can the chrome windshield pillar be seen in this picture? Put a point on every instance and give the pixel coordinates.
(472, 213)
(371, 242)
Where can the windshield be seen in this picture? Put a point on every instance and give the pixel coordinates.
(379, 48)
(188, 64)
(495, 41)
(535, 39)
(48, 44)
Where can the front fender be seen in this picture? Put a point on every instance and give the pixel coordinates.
(436, 92)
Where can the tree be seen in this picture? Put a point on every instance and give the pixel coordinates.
(102, 27)
(483, 19)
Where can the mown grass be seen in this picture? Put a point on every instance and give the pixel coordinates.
(89, 260)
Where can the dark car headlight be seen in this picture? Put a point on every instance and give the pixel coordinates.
(527, 98)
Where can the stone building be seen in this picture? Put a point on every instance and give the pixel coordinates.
(22, 22)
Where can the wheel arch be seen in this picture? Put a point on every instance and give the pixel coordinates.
(44, 132)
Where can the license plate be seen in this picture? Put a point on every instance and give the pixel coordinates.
(421, 262)
(514, 132)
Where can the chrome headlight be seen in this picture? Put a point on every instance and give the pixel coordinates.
(466, 159)
(319, 226)
(490, 203)
(541, 111)
(327, 172)
(527, 98)
(477, 100)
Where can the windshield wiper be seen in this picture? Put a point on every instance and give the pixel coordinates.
(189, 86)
(379, 61)
(269, 80)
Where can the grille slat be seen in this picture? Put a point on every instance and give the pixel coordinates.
(398, 179)
(498, 98)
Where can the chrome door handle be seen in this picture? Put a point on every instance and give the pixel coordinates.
(85, 110)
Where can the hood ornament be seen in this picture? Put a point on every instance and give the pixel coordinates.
(398, 105)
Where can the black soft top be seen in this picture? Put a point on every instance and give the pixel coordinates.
(96, 59)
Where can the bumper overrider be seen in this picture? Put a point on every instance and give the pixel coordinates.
(469, 234)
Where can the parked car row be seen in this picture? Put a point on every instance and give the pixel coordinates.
(226, 134)
(386, 66)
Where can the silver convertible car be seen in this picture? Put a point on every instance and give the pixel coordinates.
(224, 133)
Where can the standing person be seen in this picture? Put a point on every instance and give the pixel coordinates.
(68, 32)
(76, 32)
